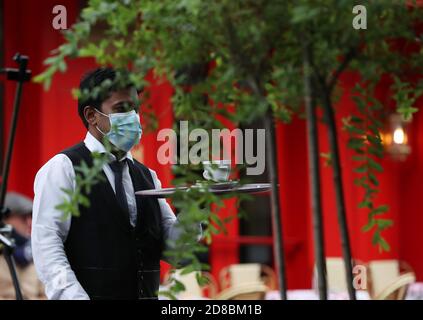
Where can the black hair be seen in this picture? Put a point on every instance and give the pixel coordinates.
(91, 80)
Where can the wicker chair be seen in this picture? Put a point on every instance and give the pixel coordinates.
(397, 289)
(382, 273)
(240, 274)
(336, 276)
(248, 291)
(192, 288)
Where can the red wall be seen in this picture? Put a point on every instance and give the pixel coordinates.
(400, 188)
(409, 189)
(295, 203)
(49, 122)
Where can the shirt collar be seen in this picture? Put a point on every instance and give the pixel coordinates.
(96, 146)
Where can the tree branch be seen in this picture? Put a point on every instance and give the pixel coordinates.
(352, 52)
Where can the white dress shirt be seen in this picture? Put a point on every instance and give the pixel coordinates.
(50, 228)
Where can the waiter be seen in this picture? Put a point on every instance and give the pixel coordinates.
(113, 249)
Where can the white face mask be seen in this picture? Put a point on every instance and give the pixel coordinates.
(125, 129)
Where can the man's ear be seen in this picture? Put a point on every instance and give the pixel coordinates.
(90, 115)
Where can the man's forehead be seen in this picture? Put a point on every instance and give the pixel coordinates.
(124, 95)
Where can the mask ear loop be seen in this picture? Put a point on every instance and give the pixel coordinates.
(104, 134)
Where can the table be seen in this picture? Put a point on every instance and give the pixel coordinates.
(414, 292)
(310, 294)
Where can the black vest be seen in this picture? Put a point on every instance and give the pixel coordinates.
(110, 258)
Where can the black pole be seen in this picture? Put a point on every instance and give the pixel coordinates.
(339, 191)
(314, 169)
(12, 134)
(20, 75)
(275, 201)
(271, 162)
(1, 84)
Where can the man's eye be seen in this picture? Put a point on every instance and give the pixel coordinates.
(128, 107)
(123, 108)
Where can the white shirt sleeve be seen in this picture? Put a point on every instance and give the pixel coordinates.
(170, 226)
(50, 229)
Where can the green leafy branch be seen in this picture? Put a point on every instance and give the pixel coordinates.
(405, 96)
(365, 140)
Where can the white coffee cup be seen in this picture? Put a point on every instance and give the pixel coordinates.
(217, 170)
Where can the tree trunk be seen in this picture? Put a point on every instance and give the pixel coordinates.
(313, 158)
(337, 179)
(275, 202)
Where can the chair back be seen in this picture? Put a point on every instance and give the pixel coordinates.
(336, 275)
(381, 274)
(244, 273)
(239, 274)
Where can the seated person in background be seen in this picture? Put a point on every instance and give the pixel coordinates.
(20, 218)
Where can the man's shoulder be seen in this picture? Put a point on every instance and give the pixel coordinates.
(77, 153)
(62, 160)
(75, 149)
(55, 166)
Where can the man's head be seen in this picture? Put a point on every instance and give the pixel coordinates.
(20, 216)
(111, 97)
